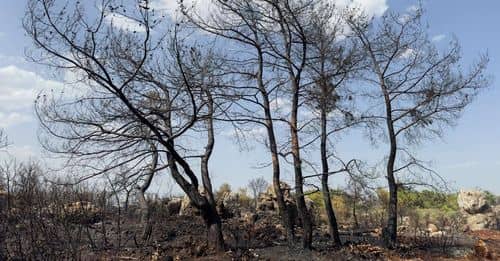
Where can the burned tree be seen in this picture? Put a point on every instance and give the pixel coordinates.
(141, 193)
(257, 186)
(334, 61)
(417, 92)
(117, 70)
(255, 82)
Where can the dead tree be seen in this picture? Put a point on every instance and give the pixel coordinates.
(97, 122)
(141, 194)
(417, 92)
(255, 81)
(334, 61)
(257, 186)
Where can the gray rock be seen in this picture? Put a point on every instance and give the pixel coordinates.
(482, 221)
(472, 201)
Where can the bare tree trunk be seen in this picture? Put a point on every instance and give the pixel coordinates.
(299, 194)
(210, 215)
(141, 191)
(390, 232)
(297, 166)
(284, 211)
(354, 215)
(332, 220)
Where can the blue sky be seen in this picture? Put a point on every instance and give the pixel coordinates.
(468, 155)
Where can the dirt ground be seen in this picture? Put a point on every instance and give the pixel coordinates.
(183, 238)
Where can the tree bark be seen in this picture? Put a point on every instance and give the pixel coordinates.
(332, 220)
(390, 232)
(211, 217)
(143, 203)
(284, 211)
(304, 214)
(147, 228)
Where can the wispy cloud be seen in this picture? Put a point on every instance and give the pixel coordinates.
(124, 23)
(408, 53)
(18, 88)
(438, 38)
(369, 7)
(8, 119)
(202, 8)
(205, 8)
(413, 8)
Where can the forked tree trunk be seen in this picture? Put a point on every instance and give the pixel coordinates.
(208, 211)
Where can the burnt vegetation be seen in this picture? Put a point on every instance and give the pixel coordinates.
(149, 97)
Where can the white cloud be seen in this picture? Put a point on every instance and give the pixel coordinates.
(280, 104)
(124, 23)
(438, 38)
(407, 53)
(413, 8)
(201, 7)
(8, 119)
(370, 7)
(404, 18)
(18, 87)
(205, 7)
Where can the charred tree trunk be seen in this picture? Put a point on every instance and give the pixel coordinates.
(304, 214)
(332, 220)
(210, 215)
(141, 192)
(207, 207)
(390, 231)
(214, 226)
(208, 211)
(284, 211)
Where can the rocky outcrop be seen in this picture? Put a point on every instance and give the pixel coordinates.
(187, 209)
(477, 212)
(267, 201)
(472, 201)
(431, 228)
(79, 212)
(482, 221)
